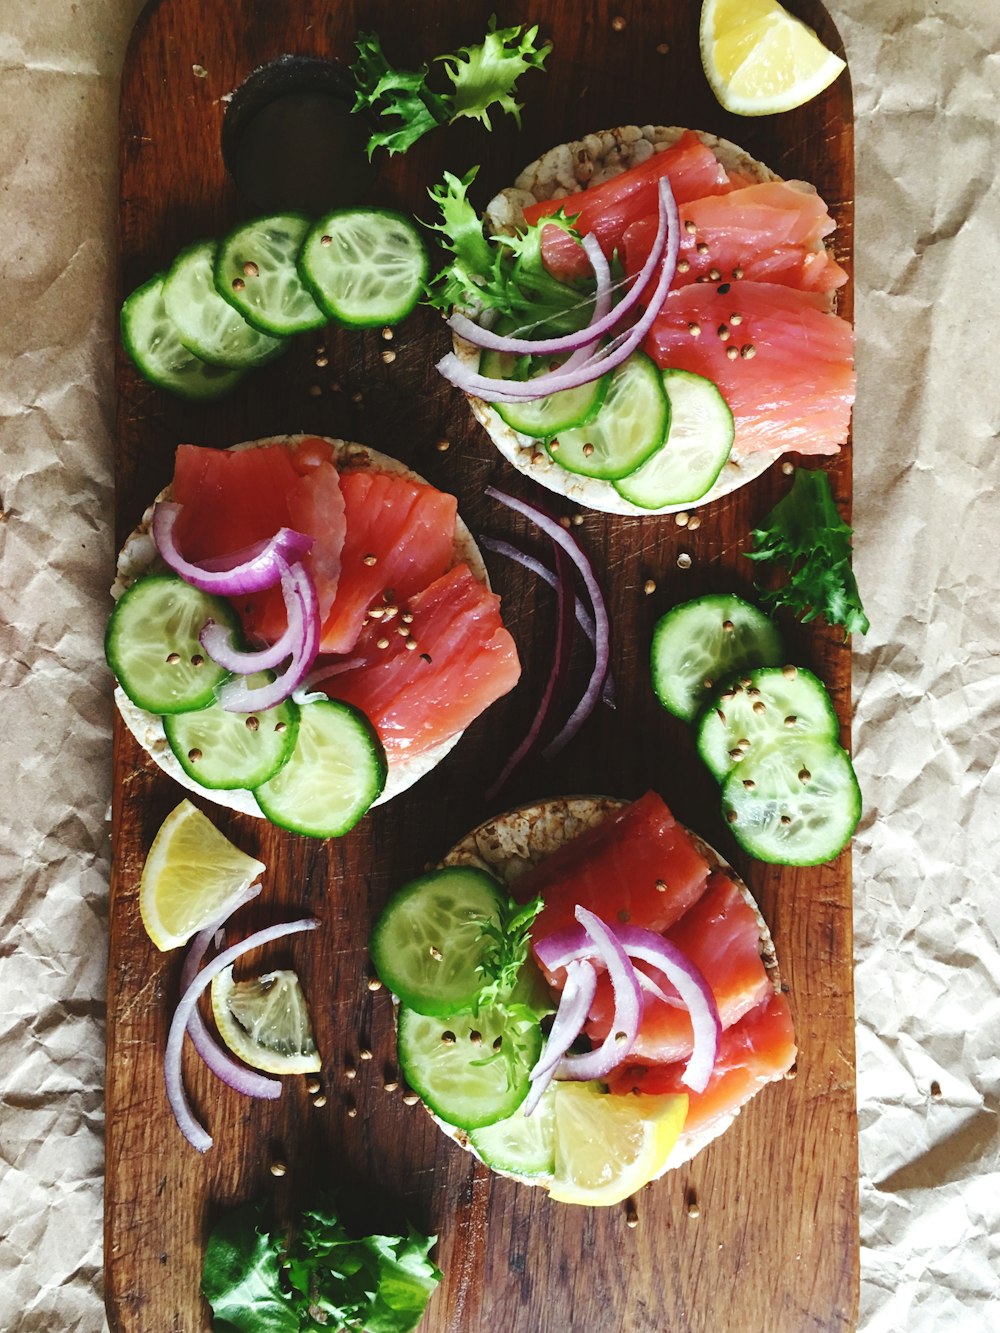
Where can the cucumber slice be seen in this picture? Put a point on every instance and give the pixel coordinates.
(523, 1145)
(255, 271)
(364, 266)
(631, 425)
(545, 417)
(336, 771)
(152, 644)
(428, 943)
(795, 803)
(207, 325)
(471, 1069)
(699, 441)
(702, 642)
(228, 751)
(151, 341)
(763, 708)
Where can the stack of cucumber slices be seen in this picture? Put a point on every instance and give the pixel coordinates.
(658, 437)
(314, 768)
(469, 1060)
(768, 733)
(227, 306)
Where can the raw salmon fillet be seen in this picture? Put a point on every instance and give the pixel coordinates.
(770, 232)
(464, 661)
(752, 1053)
(790, 384)
(640, 866)
(720, 935)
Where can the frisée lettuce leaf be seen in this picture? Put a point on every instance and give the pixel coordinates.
(481, 76)
(318, 1278)
(503, 274)
(806, 535)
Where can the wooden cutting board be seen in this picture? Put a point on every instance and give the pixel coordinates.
(773, 1248)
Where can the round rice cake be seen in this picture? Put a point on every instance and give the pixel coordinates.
(512, 843)
(559, 174)
(139, 556)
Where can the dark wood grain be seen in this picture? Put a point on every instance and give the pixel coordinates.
(774, 1249)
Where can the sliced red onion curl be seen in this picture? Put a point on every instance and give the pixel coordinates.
(235, 1075)
(606, 358)
(602, 628)
(555, 682)
(603, 319)
(192, 1130)
(583, 617)
(606, 949)
(301, 640)
(251, 569)
(569, 946)
(574, 1006)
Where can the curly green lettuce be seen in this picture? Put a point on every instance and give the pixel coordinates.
(318, 1278)
(481, 77)
(805, 534)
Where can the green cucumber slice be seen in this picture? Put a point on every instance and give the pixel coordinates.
(795, 803)
(336, 771)
(227, 751)
(152, 644)
(207, 325)
(523, 1145)
(545, 417)
(364, 266)
(471, 1069)
(708, 640)
(151, 340)
(630, 426)
(256, 272)
(699, 441)
(762, 708)
(428, 943)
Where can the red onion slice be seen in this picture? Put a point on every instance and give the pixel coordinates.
(574, 1006)
(189, 1126)
(569, 946)
(553, 686)
(302, 608)
(248, 1082)
(602, 321)
(602, 627)
(599, 1062)
(251, 569)
(607, 358)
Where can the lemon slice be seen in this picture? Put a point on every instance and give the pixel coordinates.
(607, 1147)
(760, 59)
(191, 876)
(265, 1021)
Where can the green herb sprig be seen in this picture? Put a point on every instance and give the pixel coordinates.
(481, 77)
(806, 535)
(317, 1279)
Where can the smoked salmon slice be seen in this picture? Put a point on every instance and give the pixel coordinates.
(720, 935)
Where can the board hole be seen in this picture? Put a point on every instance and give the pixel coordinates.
(290, 140)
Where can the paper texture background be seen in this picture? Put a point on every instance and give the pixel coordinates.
(927, 678)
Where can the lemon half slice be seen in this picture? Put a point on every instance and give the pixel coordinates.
(265, 1021)
(760, 59)
(191, 876)
(608, 1147)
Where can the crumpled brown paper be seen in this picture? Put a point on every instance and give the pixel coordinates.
(927, 678)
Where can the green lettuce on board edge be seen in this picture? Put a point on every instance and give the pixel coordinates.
(482, 76)
(318, 1278)
(805, 534)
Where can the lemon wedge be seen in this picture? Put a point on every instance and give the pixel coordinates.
(609, 1147)
(191, 876)
(265, 1022)
(760, 59)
